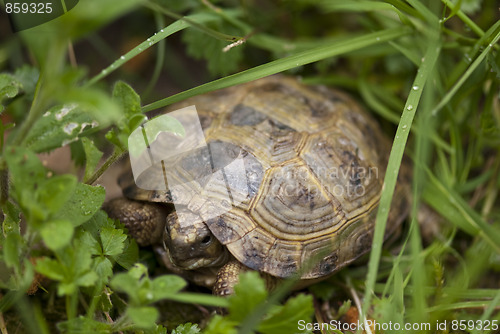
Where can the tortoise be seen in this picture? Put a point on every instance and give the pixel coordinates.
(313, 167)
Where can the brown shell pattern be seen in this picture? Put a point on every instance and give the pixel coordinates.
(315, 164)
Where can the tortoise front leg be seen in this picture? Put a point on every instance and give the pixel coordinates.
(145, 221)
(228, 277)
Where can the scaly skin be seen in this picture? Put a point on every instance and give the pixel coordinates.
(144, 221)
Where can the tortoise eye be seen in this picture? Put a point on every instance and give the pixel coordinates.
(206, 241)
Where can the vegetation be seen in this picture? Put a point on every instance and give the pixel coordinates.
(429, 70)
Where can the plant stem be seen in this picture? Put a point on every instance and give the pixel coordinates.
(465, 19)
(117, 154)
(4, 182)
(33, 115)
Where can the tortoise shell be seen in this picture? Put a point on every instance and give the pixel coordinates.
(314, 167)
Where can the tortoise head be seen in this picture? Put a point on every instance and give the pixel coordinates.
(190, 243)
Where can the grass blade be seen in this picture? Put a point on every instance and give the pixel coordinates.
(280, 65)
(446, 99)
(157, 37)
(394, 163)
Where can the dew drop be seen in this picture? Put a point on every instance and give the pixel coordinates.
(161, 30)
(122, 58)
(410, 107)
(405, 126)
(415, 88)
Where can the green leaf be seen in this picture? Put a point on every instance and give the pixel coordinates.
(103, 268)
(284, 319)
(28, 77)
(104, 238)
(249, 293)
(220, 325)
(25, 169)
(50, 268)
(12, 219)
(9, 87)
(124, 282)
(142, 290)
(87, 240)
(56, 233)
(83, 204)
(72, 268)
(127, 99)
(138, 271)
(167, 285)
(130, 103)
(143, 316)
(55, 192)
(84, 325)
(86, 279)
(130, 254)
(112, 241)
(96, 223)
(93, 156)
(60, 126)
(187, 328)
(117, 138)
(158, 330)
(12, 250)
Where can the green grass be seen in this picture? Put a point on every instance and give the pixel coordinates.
(428, 70)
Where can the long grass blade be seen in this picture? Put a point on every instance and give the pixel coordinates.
(394, 163)
(157, 37)
(280, 65)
